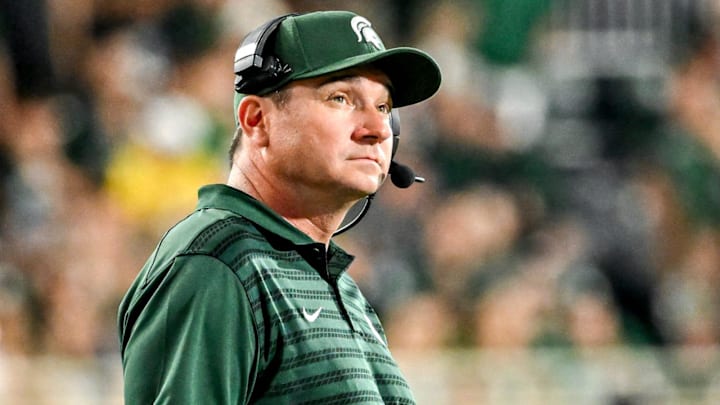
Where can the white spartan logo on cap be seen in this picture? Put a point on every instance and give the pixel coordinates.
(363, 29)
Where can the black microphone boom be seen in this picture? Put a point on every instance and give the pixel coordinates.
(403, 176)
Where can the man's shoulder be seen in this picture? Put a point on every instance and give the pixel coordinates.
(207, 232)
(211, 232)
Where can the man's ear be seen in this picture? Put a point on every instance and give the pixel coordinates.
(251, 118)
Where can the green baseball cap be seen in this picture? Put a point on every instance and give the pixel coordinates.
(323, 42)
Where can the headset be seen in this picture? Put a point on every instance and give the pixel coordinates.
(257, 69)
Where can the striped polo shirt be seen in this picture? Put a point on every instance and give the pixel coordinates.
(237, 306)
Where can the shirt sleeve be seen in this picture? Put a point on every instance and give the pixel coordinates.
(195, 340)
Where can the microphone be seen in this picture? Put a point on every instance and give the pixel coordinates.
(402, 176)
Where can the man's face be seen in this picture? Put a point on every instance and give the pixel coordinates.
(332, 135)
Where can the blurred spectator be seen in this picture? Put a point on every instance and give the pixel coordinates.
(509, 315)
(466, 234)
(423, 323)
(26, 31)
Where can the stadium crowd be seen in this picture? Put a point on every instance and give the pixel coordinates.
(572, 158)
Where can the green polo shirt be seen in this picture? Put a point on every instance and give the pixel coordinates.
(237, 306)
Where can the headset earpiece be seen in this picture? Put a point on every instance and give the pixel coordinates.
(395, 126)
(256, 69)
(400, 175)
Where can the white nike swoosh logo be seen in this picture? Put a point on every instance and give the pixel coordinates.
(311, 317)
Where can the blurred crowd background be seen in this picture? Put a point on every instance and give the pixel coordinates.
(565, 248)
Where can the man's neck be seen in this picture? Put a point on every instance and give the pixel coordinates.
(311, 215)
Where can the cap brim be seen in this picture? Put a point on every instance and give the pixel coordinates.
(414, 75)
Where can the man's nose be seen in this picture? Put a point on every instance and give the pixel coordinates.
(375, 125)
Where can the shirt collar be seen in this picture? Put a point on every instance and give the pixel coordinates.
(222, 196)
(228, 198)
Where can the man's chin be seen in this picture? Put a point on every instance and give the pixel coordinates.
(361, 191)
(377, 183)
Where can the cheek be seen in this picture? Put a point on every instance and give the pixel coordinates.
(292, 135)
(313, 139)
(387, 148)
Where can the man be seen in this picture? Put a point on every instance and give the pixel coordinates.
(247, 299)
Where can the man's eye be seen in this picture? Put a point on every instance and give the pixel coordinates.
(384, 108)
(339, 98)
